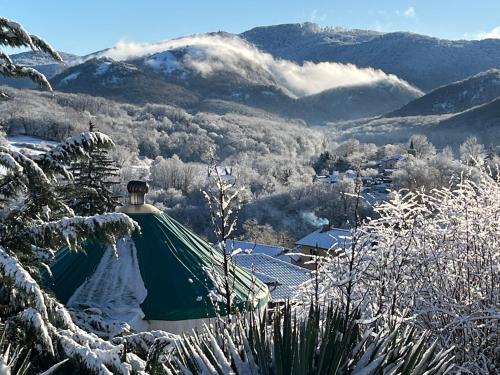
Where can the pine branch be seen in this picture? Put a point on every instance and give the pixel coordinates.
(16, 71)
(12, 34)
(43, 46)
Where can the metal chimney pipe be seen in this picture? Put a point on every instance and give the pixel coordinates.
(137, 190)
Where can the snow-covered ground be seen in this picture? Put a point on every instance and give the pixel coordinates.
(29, 144)
(164, 61)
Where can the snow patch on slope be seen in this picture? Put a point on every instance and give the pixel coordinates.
(70, 77)
(165, 62)
(102, 68)
(116, 288)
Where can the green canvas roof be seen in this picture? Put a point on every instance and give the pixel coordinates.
(173, 264)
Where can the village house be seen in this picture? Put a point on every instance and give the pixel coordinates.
(328, 179)
(321, 242)
(388, 163)
(338, 176)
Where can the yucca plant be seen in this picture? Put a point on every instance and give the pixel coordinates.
(13, 361)
(323, 343)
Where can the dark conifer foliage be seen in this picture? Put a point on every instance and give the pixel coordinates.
(94, 177)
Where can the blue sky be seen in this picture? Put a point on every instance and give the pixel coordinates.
(86, 26)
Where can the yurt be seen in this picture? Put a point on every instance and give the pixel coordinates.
(162, 278)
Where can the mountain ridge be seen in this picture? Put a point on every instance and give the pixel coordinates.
(231, 72)
(419, 59)
(221, 66)
(455, 97)
(422, 60)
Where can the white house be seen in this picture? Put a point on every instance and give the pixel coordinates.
(389, 162)
(329, 179)
(337, 176)
(321, 242)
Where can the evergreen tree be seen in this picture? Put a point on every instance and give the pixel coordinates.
(34, 223)
(94, 174)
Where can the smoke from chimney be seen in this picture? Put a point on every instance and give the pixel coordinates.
(312, 219)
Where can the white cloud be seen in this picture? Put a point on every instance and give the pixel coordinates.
(378, 26)
(410, 12)
(208, 54)
(389, 20)
(493, 34)
(316, 17)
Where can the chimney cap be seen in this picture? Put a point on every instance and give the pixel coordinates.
(137, 204)
(136, 186)
(325, 228)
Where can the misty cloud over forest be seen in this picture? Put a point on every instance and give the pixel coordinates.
(207, 54)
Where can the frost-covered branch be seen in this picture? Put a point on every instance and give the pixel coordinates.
(58, 158)
(431, 258)
(223, 201)
(105, 228)
(12, 34)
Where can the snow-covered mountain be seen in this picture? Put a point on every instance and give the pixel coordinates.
(41, 62)
(456, 97)
(299, 71)
(482, 119)
(122, 81)
(423, 61)
(42, 59)
(482, 122)
(361, 101)
(221, 66)
(290, 41)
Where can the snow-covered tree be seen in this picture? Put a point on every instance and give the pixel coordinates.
(34, 223)
(174, 173)
(431, 258)
(324, 163)
(414, 173)
(472, 152)
(222, 198)
(13, 35)
(264, 233)
(435, 171)
(422, 147)
(94, 175)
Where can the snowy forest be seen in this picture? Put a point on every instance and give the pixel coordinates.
(415, 288)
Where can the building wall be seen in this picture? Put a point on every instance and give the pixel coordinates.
(309, 251)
